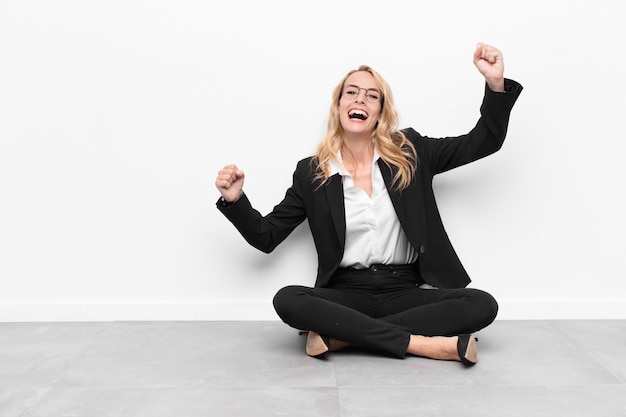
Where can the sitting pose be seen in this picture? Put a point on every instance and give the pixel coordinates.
(388, 277)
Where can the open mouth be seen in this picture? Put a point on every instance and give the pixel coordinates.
(357, 114)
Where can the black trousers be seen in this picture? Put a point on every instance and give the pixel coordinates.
(382, 306)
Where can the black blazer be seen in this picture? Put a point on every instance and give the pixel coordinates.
(438, 263)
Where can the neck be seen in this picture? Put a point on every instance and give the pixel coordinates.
(359, 146)
(358, 152)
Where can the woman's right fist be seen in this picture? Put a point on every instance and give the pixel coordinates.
(229, 182)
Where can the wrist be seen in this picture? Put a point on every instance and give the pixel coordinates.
(226, 203)
(496, 84)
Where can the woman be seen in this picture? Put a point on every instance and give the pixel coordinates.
(388, 277)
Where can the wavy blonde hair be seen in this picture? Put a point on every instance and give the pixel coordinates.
(392, 145)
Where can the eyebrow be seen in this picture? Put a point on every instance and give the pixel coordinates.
(364, 88)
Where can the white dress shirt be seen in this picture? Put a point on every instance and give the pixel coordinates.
(373, 231)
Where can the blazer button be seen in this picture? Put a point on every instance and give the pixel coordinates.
(422, 248)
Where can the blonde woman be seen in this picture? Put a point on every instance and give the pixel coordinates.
(388, 277)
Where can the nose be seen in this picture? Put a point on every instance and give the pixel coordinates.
(361, 98)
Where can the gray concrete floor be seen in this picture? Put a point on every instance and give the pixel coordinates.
(153, 369)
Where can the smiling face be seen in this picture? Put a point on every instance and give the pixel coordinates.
(359, 113)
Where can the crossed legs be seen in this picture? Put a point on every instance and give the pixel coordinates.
(398, 318)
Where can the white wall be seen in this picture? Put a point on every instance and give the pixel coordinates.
(116, 115)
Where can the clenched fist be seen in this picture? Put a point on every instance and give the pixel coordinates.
(488, 59)
(229, 182)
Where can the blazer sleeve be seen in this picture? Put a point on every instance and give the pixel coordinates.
(487, 137)
(265, 233)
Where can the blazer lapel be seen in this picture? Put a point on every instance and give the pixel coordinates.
(396, 196)
(334, 194)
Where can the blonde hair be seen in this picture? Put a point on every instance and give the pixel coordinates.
(392, 145)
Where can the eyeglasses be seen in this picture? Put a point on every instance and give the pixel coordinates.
(373, 95)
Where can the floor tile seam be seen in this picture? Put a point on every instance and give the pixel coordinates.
(74, 359)
(588, 351)
(39, 400)
(606, 367)
(172, 386)
(413, 386)
(338, 388)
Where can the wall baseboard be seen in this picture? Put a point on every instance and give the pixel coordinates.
(238, 311)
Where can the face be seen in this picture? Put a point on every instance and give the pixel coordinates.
(359, 110)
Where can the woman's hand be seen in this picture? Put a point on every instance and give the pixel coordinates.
(229, 182)
(489, 61)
